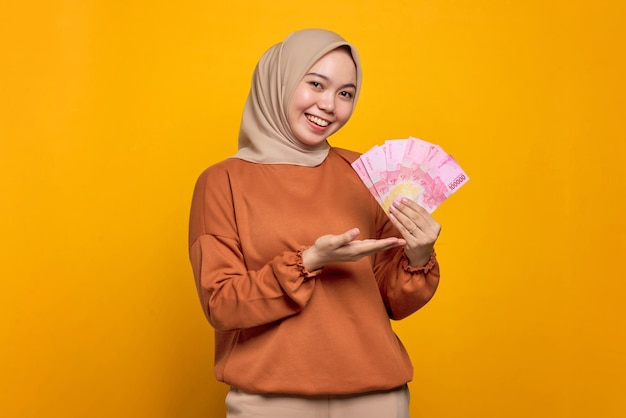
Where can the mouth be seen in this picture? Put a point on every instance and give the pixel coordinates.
(317, 121)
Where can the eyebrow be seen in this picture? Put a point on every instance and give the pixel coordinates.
(328, 79)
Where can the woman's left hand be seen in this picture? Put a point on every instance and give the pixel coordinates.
(418, 228)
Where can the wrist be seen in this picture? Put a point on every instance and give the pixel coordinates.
(422, 260)
(310, 260)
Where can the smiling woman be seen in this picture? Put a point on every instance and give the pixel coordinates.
(301, 294)
(110, 109)
(324, 100)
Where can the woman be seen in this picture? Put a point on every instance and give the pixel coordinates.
(298, 268)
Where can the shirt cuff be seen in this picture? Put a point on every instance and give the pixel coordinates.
(308, 275)
(423, 269)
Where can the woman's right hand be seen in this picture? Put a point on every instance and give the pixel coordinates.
(344, 247)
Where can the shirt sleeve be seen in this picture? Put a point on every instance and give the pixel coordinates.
(232, 296)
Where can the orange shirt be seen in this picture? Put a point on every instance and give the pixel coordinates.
(276, 330)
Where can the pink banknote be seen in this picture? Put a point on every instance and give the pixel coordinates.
(394, 153)
(412, 168)
(359, 167)
(376, 167)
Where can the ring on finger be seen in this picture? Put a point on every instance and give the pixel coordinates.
(413, 230)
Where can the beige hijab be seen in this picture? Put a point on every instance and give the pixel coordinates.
(265, 136)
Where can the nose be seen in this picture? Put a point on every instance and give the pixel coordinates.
(326, 102)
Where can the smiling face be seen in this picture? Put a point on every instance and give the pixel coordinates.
(324, 99)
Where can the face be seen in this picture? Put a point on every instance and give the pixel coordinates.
(324, 99)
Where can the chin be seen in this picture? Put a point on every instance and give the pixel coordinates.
(312, 141)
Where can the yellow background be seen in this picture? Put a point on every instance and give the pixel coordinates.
(110, 110)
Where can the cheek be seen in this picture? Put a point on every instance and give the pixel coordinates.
(344, 111)
(294, 108)
(300, 99)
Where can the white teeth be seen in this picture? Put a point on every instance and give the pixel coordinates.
(317, 121)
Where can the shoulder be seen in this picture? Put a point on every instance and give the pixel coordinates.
(345, 154)
(212, 202)
(216, 180)
(222, 169)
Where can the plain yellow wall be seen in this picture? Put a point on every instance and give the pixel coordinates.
(110, 110)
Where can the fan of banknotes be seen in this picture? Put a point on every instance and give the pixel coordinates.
(412, 168)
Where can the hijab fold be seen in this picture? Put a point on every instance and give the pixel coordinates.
(265, 136)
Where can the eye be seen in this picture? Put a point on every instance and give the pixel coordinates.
(346, 94)
(315, 84)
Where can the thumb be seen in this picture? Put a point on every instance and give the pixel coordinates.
(348, 237)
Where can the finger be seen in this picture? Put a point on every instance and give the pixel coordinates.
(409, 208)
(418, 216)
(371, 246)
(341, 240)
(408, 203)
(401, 224)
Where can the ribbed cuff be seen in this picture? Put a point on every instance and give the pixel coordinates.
(308, 275)
(423, 269)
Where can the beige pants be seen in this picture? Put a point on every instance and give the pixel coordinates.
(388, 404)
